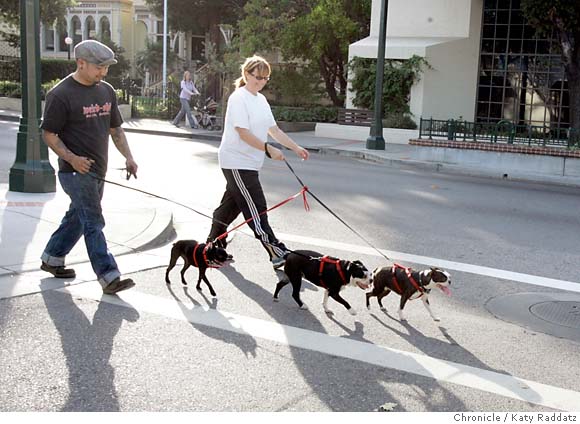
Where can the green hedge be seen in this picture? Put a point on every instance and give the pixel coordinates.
(305, 114)
(50, 69)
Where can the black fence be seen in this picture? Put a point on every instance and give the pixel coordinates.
(500, 132)
(151, 104)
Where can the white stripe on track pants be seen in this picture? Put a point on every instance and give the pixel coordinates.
(244, 194)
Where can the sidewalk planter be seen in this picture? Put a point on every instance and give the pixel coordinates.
(505, 160)
(355, 132)
(296, 126)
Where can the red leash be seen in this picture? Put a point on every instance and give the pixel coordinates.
(283, 202)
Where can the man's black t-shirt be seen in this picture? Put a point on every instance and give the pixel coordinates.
(82, 116)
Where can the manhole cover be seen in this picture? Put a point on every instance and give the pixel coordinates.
(566, 314)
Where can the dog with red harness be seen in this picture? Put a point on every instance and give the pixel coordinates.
(200, 255)
(332, 274)
(409, 284)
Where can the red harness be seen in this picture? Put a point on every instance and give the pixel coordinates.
(204, 254)
(336, 262)
(407, 270)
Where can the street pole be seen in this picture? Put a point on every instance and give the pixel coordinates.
(68, 41)
(376, 140)
(31, 172)
(164, 48)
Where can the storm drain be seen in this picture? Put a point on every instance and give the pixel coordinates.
(557, 314)
(561, 313)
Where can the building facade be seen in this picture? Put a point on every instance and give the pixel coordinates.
(487, 63)
(128, 23)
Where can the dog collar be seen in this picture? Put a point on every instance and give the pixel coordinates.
(204, 255)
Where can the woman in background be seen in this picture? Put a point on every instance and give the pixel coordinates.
(187, 90)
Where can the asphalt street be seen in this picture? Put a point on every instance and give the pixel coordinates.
(172, 348)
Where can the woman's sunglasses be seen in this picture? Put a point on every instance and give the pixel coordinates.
(261, 78)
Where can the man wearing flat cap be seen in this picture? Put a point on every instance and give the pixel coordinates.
(80, 113)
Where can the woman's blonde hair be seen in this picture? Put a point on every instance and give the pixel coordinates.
(251, 64)
(185, 73)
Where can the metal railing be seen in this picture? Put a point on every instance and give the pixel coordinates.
(505, 132)
(152, 105)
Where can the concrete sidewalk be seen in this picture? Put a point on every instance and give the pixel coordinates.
(398, 152)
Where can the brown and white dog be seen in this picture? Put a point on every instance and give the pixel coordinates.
(200, 255)
(332, 274)
(409, 284)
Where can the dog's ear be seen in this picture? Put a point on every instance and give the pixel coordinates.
(428, 276)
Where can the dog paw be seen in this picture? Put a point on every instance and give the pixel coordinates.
(436, 319)
(328, 312)
(275, 299)
(352, 311)
(383, 309)
(304, 307)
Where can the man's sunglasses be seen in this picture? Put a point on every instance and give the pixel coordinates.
(261, 78)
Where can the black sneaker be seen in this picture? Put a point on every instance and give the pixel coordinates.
(58, 271)
(118, 285)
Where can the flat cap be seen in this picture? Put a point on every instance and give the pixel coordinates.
(94, 52)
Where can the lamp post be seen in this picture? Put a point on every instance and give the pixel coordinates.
(376, 140)
(164, 48)
(31, 172)
(68, 41)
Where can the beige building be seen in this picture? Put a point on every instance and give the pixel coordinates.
(128, 23)
(487, 63)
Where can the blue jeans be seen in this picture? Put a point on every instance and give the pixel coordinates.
(84, 218)
(185, 110)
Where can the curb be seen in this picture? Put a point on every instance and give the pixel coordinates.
(10, 118)
(209, 137)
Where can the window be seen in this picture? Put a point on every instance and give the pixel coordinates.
(521, 75)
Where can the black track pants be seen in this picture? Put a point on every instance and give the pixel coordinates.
(244, 194)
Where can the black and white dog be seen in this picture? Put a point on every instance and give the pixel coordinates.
(332, 274)
(200, 255)
(409, 284)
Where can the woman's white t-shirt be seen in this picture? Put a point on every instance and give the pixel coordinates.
(245, 110)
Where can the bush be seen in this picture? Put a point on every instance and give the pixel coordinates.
(399, 120)
(399, 77)
(305, 114)
(47, 86)
(8, 87)
(55, 69)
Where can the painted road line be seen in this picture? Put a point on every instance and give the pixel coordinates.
(448, 265)
(496, 383)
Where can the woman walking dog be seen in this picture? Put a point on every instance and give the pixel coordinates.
(249, 121)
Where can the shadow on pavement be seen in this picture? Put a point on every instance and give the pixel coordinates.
(87, 347)
(334, 380)
(246, 343)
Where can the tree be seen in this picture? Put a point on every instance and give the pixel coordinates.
(312, 31)
(198, 16)
(562, 19)
(151, 59)
(50, 11)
